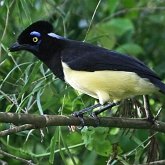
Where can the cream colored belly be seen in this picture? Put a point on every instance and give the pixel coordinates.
(108, 85)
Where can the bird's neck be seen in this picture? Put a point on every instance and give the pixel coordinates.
(50, 54)
(54, 64)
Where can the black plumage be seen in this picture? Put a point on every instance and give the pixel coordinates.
(94, 58)
(55, 51)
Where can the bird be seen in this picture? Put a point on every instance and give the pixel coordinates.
(103, 74)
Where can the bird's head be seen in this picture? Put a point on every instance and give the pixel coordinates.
(37, 38)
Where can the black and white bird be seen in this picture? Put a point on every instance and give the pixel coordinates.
(100, 73)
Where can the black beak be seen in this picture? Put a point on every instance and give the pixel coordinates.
(15, 47)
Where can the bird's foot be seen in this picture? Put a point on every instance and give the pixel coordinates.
(80, 114)
(94, 115)
(151, 119)
(102, 109)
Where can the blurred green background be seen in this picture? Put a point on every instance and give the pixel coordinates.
(132, 27)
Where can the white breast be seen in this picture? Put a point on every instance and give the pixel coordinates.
(108, 85)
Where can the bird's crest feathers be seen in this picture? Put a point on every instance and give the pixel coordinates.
(42, 27)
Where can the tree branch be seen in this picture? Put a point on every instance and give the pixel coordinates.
(32, 121)
(159, 162)
(16, 129)
(28, 162)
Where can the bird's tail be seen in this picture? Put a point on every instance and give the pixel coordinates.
(159, 84)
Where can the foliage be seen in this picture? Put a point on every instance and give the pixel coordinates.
(133, 27)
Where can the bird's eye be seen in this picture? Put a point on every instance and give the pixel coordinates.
(35, 39)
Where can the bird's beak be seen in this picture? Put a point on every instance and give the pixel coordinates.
(15, 47)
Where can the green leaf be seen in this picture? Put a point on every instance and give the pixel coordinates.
(130, 48)
(9, 107)
(103, 35)
(160, 68)
(97, 139)
(31, 78)
(53, 146)
(129, 3)
(113, 5)
(87, 137)
(91, 157)
(157, 18)
(121, 26)
(114, 131)
(39, 102)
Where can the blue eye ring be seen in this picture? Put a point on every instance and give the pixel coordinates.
(35, 34)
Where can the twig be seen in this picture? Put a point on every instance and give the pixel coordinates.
(147, 108)
(94, 13)
(159, 162)
(27, 162)
(7, 19)
(123, 11)
(17, 129)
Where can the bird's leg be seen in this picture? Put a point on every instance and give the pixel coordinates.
(80, 113)
(104, 108)
(148, 112)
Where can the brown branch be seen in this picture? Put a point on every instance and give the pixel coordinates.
(159, 162)
(32, 121)
(28, 162)
(16, 129)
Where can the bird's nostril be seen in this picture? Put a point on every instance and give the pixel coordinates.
(15, 47)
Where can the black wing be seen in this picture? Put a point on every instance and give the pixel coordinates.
(86, 57)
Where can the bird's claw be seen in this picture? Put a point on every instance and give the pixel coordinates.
(151, 119)
(79, 115)
(95, 117)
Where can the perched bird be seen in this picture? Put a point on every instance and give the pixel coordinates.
(100, 73)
